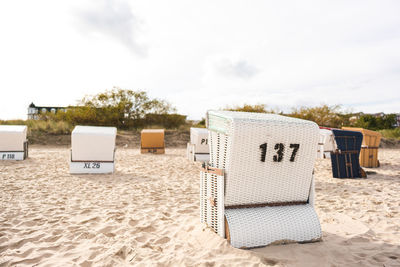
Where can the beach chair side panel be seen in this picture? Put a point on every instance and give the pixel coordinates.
(212, 201)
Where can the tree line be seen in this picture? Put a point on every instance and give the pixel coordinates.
(329, 116)
(128, 109)
(124, 109)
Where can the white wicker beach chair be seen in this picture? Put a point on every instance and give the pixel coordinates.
(326, 143)
(13, 142)
(93, 149)
(197, 148)
(258, 188)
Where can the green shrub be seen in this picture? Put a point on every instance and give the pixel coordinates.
(169, 121)
(323, 115)
(372, 122)
(258, 108)
(124, 109)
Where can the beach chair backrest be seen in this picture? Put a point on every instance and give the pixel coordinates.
(12, 137)
(93, 143)
(199, 137)
(345, 161)
(326, 142)
(152, 141)
(267, 158)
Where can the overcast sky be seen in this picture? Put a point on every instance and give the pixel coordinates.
(202, 55)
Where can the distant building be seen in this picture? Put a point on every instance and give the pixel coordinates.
(398, 120)
(35, 111)
(377, 115)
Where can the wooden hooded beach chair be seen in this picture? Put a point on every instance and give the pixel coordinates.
(13, 142)
(345, 160)
(369, 147)
(326, 143)
(197, 148)
(152, 141)
(258, 188)
(93, 149)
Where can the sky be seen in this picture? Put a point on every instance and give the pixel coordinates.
(202, 55)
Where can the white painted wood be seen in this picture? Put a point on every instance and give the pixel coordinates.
(202, 157)
(92, 143)
(199, 137)
(12, 137)
(12, 155)
(91, 167)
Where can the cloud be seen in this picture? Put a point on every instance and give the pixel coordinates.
(236, 68)
(113, 18)
(203, 55)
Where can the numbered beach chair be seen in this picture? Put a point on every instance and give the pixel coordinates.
(258, 188)
(326, 143)
(93, 149)
(345, 160)
(13, 142)
(197, 148)
(369, 147)
(152, 141)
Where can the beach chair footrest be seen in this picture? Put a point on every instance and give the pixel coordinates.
(257, 227)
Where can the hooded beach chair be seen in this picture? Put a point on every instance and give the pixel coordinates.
(93, 149)
(152, 141)
(369, 147)
(197, 148)
(13, 142)
(345, 160)
(258, 188)
(326, 143)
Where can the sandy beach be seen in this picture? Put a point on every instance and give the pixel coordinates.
(147, 213)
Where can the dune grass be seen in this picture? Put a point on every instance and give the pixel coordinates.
(391, 133)
(42, 127)
(62, 127)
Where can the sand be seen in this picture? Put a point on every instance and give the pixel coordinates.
(147, 213)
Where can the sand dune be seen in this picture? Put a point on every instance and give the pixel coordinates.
(147, 213)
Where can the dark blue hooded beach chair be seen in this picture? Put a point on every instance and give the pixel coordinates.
(346, 159)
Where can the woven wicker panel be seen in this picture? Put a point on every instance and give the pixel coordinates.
(235, 140)
(203, 197)
(311, 197)
(212, 213)
(218, 149)
(255, 227)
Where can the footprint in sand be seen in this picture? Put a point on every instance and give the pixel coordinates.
(133, 222)
(107, 231)
(163, 240)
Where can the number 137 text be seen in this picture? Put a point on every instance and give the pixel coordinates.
(280, 150)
